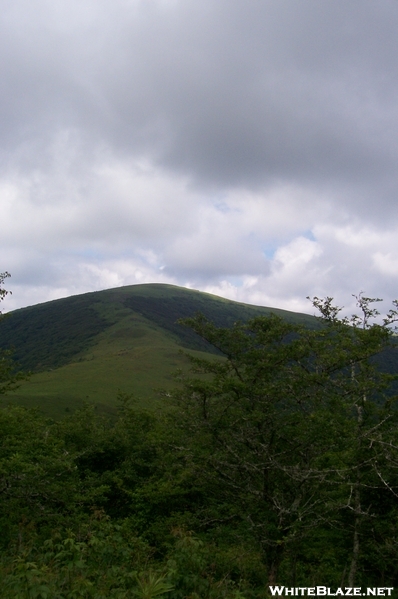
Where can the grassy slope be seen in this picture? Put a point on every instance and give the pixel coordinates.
(88, 347)
(136, 364)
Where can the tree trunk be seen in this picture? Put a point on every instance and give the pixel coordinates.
(355, 546)
(273, 570)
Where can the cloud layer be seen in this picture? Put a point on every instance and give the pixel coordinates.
(240, 147)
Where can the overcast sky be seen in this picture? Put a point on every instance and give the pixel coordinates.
(248, 148)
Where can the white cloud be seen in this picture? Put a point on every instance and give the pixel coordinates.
(386, 264)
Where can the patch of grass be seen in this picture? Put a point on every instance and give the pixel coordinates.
(130, 356)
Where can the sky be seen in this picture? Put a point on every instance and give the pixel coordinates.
(247, 148)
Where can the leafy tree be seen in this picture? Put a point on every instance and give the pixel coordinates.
(294, 431)
(3, 292)
(8, 374)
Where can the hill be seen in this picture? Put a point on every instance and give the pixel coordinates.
(87, 347)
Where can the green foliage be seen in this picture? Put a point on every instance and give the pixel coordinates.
(40, 482)
(79, 496)
(51, 334)
(9, 376)
(296, 430)
(104, 563)
(152, 584)
(200, 569)
(274, 462)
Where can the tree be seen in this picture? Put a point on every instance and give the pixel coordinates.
(8, 374)
(294, 429)
(3, 292)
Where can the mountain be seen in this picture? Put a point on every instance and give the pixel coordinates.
(87, 347)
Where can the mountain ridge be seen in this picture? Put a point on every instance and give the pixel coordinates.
(89, 347)
(51, 333)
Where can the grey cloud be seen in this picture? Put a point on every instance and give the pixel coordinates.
(230, 93)
(248, 94)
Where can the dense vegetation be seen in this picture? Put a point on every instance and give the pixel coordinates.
(51, 334)
(275, 464)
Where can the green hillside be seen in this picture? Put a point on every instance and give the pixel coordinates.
(90, 346)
